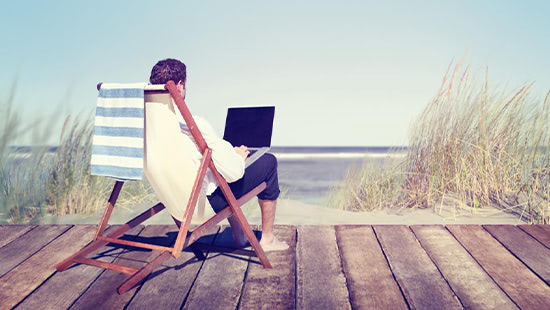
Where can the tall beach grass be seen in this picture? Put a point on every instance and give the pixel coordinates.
(472, 146)
(45, 180)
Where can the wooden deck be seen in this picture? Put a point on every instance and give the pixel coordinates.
(327, 267)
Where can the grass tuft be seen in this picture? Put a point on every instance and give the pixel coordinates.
(473, 146)
(39, 182)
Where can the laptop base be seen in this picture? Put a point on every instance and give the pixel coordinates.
(255, 153)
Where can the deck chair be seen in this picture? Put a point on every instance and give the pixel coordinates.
(175, 189)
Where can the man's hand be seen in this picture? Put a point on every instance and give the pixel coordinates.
(242, 151)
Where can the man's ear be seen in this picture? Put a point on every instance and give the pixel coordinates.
(181, 83)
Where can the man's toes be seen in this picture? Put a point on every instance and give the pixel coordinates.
(275, 245)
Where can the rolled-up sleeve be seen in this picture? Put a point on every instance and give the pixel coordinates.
(228, 162)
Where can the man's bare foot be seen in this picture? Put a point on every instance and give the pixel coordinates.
(273, 245)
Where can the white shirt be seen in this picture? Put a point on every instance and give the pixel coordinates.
(228, 163)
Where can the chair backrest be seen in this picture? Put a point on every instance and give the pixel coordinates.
(168, 154)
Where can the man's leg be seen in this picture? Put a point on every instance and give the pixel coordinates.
(263, 170)
(239, 238)
(269, 242)
(268, 218)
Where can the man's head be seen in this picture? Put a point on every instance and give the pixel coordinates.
(169, 69)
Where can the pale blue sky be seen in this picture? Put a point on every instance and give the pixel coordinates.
(339, 72)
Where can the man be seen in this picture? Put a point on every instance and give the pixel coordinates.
(230, 162)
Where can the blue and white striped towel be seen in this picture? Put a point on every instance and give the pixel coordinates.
(117, 149)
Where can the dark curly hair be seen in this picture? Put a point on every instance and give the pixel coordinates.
(166, 70)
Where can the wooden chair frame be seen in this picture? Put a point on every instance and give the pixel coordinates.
(185, 237)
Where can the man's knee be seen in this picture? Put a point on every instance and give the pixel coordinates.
(271, 193)
(270, 160)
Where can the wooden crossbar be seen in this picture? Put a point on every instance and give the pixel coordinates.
(137, 244)
(105, 265)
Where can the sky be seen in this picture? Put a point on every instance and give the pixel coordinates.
(340, 73)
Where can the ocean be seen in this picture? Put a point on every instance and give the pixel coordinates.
(307, 174)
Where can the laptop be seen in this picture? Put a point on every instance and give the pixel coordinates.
(252, 127)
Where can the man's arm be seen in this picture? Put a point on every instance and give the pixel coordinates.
(228, 162)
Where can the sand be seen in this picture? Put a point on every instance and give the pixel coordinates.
(292, 212)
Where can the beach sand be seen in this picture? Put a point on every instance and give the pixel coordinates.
(292, 212)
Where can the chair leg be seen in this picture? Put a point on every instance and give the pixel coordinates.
(251, 237)
(184, 229)
(143, 272)
(108, 209)
(194, 248)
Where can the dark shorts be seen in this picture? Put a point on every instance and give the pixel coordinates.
(262, 170)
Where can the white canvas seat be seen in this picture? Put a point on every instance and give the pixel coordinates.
(167, 163)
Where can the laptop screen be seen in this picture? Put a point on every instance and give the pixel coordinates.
(250, 126)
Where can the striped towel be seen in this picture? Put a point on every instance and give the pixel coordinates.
(117, 150)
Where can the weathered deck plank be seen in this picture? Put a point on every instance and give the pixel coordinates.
(220, 281)
(414, 271)
(523, 286)
(370, 281)
(8, 233)
(79, 276)
(167, 287)
(27, 276)
(273, 288)
(539, 232)
(461, 270)
(524, 247)
(320, 278)
(102, 293)
(26, 245)
(323, 260)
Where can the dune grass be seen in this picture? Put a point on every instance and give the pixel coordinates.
(472, 146)
(42, 181)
